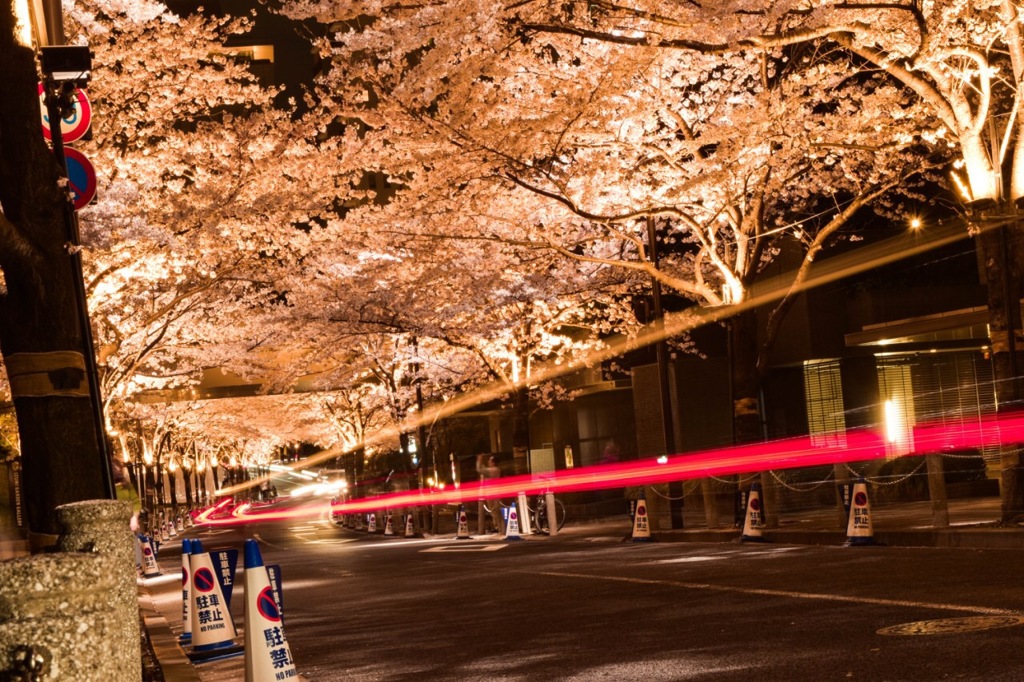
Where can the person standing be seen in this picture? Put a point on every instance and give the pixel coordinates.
(488, 469)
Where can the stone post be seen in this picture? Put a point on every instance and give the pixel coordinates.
(73, 614)
(103, 526)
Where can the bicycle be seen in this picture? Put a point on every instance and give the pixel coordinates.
(537, 511)
(539, 514)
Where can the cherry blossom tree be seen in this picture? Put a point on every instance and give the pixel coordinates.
(519, 124)
(434, 316)
(962, 60)
(209, 190)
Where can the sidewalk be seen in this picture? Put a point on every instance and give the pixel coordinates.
(161, 606)
(973, 524)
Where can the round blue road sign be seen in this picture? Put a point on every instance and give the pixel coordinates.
(81, 177)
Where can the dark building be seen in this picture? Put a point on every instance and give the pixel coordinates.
(894, 335)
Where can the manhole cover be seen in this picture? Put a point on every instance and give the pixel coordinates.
(948, 626)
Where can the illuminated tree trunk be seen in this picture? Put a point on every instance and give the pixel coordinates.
(746, 352)
(39, 334)
(746, 382)
(520, 429)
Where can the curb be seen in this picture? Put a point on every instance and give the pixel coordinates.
(173, 663)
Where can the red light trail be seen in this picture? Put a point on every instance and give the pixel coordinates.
(853, 446)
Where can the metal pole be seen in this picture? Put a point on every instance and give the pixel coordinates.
(1008, 311)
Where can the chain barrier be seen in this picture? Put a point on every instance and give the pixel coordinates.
(685, 492)
(877, 480)
(809, 486)
(737, 481)
(950, 455)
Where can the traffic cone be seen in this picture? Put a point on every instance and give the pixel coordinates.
(371, 523)
(359, 522)
(181, 525)
(150, 569)
(389, 528)
(410, 528)
(859, 529)
(213, 631)
(463, 530)
(267, 656)
(753, 525)
(512, 526)
(641, 521)
(171, 530)
(186, 593)
(164, 533)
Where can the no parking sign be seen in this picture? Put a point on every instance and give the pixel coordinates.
(81, 178)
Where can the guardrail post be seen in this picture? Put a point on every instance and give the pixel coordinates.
(549, 502)
(524, 514)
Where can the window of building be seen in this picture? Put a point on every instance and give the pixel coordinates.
(953, 390)
(896, 393)
(823, 389)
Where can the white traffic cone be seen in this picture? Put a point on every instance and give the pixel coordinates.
(186, 592)
(164, 533)
(267, 656)
(389, 527)
(859, 529)
(359, 522)
(213, 631)
(371, 523)
(181, 525)
(172, 531)
(463, 530)
(753, 524)
(410, 527)
(641, 521)
(512, 526)
(149, 565)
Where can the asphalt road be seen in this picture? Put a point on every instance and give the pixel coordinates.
(587, 606)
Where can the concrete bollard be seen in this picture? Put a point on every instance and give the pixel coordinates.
(56, 609)
(73, 614)
(104, 527)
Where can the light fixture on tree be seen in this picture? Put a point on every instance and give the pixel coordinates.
(66, 64)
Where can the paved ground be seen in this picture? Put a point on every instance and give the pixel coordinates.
(972, 524)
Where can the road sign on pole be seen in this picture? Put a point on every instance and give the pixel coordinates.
(81, 178)
(75, 123)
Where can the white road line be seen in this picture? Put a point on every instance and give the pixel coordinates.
(783, 593)
(464, 548)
